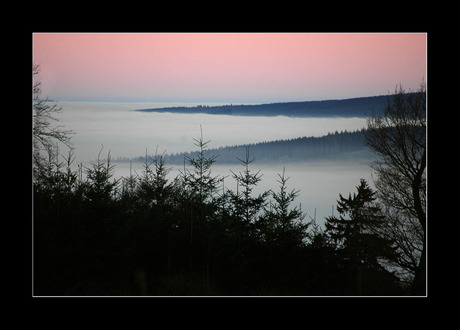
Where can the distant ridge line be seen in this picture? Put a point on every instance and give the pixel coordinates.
(352, 107)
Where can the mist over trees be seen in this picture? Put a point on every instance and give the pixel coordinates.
(342, 145)
(146, 235)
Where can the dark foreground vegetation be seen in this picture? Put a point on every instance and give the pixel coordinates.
(145, 235)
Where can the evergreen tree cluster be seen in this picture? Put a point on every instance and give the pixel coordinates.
(147, 235)
(333, 146)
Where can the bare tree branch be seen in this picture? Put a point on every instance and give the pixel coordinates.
(398, 137)
(45, 136)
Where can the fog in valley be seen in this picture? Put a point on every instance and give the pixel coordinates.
(229, 165)
(128, 134)
(319, 183)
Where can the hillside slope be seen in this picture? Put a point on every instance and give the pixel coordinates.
(334, 146)
(355, 107)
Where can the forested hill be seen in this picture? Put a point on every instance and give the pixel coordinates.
(334, 146)
(355, 107)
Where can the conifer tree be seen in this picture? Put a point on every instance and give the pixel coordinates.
(353, 232)
(153, 186)
(100, 190)
(200, 186)
(246, 208)
(360, 250)
(201, 183)
(129, 186)
(285, 222)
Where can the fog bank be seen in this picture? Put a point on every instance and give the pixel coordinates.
(128, 133)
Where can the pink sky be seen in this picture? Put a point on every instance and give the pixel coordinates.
(233, 68)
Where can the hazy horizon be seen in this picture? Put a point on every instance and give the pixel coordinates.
(97, 234)
(99, 78)
(177, 103)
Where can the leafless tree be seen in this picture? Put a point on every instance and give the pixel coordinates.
(398, 137)
(45, 135)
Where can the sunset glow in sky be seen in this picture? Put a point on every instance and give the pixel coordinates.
(233, 68)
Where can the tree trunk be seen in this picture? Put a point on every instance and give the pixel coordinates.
(419, 284)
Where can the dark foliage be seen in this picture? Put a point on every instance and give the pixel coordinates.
(333, 146)
(144, 235)
(398, 137)
(356, 243)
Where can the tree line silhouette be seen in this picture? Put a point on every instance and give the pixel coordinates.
(333, 146)
(145, 235)
(94, 235)
(354, 107)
